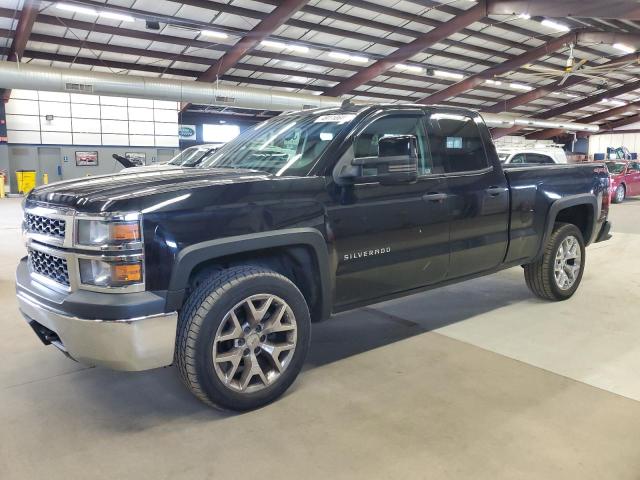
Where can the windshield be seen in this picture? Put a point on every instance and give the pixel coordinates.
(190, 157)
(285, 145)
(616, 168)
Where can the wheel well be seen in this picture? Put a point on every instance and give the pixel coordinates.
(298, 263)
(579, 215)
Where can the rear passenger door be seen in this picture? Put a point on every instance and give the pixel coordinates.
(478, 195)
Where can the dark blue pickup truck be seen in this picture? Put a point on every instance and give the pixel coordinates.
(221, 268)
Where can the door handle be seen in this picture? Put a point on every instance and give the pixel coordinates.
(434, 197)
(495, 191)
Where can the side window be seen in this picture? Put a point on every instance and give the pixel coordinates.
(456, 143)
(519, 158)
(366, 144)
(634, 167)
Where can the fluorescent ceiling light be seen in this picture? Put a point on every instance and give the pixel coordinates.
(340, 55)
(76, 9)
(272, 44)
(282, 45)
(445, 74)
(411, 68)
(493, 82)
(520, 86)
(346, 56)
(555, 25)
(117, 16)
(214, 34)
(524, 16)
(624, 48)
(295, 78)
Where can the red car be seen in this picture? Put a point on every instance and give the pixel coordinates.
(625, 179)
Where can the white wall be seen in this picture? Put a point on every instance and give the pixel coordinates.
(599, 143)
(90, 120)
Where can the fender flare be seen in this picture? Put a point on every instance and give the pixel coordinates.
(193, 255)
(570, 201)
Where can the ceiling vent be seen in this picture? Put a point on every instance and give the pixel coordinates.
(78, 87)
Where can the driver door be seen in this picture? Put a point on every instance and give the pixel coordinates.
(390, 238)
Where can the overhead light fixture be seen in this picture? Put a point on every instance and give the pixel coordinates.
(411, 68)
(445, 74)
(214, 34)
(349, 57)
(555, 25)
(117, 16)
(76, 9)
(282, 45)
(624, 48)
(493, 82)
(524, 16)
(297, 79)
(520, 86)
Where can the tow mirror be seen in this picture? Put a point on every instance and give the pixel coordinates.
(397, 161)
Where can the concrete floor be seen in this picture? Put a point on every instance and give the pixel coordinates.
(477, 380)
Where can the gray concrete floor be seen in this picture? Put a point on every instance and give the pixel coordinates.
(477, 380)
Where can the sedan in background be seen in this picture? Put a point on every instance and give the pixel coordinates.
(625, 180)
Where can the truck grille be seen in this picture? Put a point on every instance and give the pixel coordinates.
(49, 266)
(45, 226)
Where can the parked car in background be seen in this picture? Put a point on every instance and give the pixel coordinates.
(533, 155)
(625, 180)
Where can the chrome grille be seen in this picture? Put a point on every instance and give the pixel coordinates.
(49, 266)
(46, 226)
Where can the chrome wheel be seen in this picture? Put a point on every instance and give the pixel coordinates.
(619, 194)
(255, 343)
(567, 263)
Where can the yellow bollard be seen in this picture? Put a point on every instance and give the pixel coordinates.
(45, 178)
(2, 193)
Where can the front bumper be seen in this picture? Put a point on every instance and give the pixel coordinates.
(139, 342)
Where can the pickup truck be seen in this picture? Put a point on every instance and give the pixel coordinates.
(222, 268)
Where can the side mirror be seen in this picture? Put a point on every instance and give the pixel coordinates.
(397, 161)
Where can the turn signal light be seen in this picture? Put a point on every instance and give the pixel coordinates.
(125, 232)
(127, 272)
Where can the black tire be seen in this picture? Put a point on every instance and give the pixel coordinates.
(540, 276)
(620, 194)
(203, 313)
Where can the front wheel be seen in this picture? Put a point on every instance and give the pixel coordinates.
(243, 337)
(557, 275)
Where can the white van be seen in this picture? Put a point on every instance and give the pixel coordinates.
(536, 155)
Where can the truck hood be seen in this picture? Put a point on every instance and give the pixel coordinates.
(97, 193)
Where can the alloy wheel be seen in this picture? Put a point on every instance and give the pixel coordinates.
(254, 343)
(567, 263)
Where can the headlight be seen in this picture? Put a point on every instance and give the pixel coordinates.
(101, 232)
(109, 274)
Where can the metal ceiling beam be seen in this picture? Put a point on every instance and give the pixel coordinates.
(612, 112)
(577, 105)
(266, 27)
(528, 97)
(26, 20)
(610, 9)
(479, 78)
(620, 123)
(407, 51)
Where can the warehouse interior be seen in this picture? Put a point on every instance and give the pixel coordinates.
(477, 379)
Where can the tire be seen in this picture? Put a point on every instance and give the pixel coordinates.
(620, 194)
(206, 321)
(541, 275)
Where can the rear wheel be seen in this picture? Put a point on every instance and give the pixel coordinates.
(619, 195)
(243, 336)
(558, 273)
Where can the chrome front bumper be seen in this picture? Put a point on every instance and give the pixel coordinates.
(130, 344)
